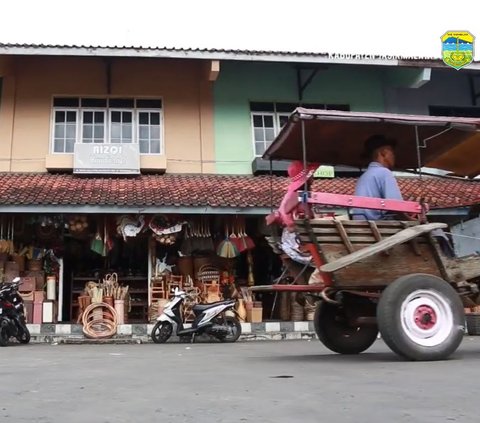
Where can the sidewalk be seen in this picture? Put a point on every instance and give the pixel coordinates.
(140, 333)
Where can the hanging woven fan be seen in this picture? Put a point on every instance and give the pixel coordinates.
(247, 241)
(238, 238)
(209, 245)
(227, 248)
(186, 248)
(97, 244)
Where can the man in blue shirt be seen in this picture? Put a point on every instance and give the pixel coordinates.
(378, 180)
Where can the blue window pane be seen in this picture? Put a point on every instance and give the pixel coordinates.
(59, 116)
(259, 135)
(155, 119)
(116, 117)
(127, 117)
(59, 130)
(155, 147)
(269, 134)
(268, 121)
(115, 130)
(259, 148)
(99, 117)
(69, 145)
(88, 117)
(144, 133)
(144, 146)
(87, 131)
(98, 131)
(155, 132)
(143, 118)
(71, 130)
(71, 117)
(58, 145)
(127, 131)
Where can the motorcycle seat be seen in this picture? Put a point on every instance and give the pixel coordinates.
(203, 307)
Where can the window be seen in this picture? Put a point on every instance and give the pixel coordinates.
(149, 132)
(269, 118)
(103, 120)
(121, 126)
(93, 126)
(65, 132)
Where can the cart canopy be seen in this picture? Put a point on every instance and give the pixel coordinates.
(337, 138)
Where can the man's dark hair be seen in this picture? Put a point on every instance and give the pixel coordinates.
(373, 143)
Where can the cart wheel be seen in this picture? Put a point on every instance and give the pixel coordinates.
(334, 332)
(421, 317)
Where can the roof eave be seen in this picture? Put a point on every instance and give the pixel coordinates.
(212, 54)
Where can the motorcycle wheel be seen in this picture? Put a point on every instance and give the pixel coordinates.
(23, 335)
(161, 332)
(4, 337)
(235, 329)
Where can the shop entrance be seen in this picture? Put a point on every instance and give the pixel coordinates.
(94, 259)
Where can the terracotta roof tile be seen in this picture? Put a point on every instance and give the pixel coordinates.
(204, 190)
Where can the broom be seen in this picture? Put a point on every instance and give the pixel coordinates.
(238, 239)
(227, 248)
(247, 241)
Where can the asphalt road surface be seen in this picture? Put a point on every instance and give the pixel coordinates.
(286, 381)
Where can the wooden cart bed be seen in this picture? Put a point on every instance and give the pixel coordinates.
(383, 262)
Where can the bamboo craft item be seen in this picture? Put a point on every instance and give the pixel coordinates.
(99, 321)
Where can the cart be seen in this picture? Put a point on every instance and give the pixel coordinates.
(388, 276)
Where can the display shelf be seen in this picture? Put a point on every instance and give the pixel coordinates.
(138, 289)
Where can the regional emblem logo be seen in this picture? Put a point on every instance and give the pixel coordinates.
(457, 48)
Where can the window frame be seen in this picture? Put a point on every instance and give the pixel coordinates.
(109, 137)
(276, 118)
(107, 120)
(262, 114)
(88, 109)
(137, 117)
(53, 124)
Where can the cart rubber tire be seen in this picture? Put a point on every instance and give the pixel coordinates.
(337, 336)
(421, 317)
(161, 332)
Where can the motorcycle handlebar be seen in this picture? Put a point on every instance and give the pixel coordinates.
(9, 285)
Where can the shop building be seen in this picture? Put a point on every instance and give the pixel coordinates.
(106, 152)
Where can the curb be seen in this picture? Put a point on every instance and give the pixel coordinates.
(72, 334)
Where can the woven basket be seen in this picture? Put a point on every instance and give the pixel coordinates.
(297, 311)
(473, 323)
(208, 273)
(284, 301)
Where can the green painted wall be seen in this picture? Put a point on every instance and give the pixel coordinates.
(241, 82)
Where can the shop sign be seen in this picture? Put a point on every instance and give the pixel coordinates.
(324, 172)
(106, 159)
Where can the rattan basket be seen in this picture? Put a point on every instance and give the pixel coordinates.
(473, 323)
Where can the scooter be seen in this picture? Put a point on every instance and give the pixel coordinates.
(210, 319)
(12, 314)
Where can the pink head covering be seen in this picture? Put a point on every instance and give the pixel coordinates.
(296, 171)
(298, 176)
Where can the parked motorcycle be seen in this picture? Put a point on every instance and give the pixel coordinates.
(12, 314)
(209, 319)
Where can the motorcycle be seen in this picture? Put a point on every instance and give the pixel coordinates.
(12, 314)
(210, 319)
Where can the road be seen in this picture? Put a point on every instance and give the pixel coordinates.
(286, 381)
